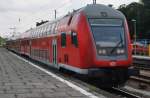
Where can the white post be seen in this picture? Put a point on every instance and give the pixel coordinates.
(134, 23)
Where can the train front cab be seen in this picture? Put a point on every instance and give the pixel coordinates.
(105, 50)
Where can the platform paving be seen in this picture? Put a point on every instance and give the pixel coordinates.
(19, 79)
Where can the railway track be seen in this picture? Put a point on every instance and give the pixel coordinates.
(144, 66)
(124, 93)
(140, 67)
(116, 92)
(141, 79)
(141, 63)
(121, 92)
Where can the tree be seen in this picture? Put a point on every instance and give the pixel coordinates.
(146, 3)
(2, 41)
(141, 14)
(133, 11)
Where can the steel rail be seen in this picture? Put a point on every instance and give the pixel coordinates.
(125, 93)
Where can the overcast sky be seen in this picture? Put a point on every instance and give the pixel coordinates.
(31, 11)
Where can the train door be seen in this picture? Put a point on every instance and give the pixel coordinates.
(54, 52)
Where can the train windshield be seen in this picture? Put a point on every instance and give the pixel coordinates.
(108, 32)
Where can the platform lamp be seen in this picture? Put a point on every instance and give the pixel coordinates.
(134, 25)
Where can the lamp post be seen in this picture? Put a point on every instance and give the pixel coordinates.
(55, 13)
(134, 24)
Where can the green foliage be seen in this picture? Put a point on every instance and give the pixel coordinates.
(141, 13)
(2, 41)
(146, 3)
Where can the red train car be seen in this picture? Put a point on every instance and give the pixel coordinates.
(93, 40)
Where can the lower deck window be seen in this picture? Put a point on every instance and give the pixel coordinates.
(63, 39)
(74, 39)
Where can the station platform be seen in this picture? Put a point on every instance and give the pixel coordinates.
(19, 79)
(141, 57)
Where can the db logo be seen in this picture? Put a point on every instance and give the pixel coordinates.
(113, 63)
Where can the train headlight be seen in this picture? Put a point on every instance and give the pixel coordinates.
(120, 51)
(102, 51)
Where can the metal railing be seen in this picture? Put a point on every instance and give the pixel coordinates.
(141, 47)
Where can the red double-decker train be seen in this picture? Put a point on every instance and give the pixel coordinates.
(93, 41)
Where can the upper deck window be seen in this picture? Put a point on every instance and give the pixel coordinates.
(49, 29)
(74, 39)
(63, 39)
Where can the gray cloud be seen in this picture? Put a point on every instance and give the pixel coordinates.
(31, 11)
(27, 5)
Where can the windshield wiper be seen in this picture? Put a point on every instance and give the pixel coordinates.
(120, 42)
(116, 46)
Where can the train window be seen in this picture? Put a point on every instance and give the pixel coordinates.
(44, 33)
(41, 32)
(63, 39)
(108, 36)
(46, 30)
(53, 28)
(56, 25)
(105, 22)
(34, 33)
(37, 35)
(49, 29)
(31, 33)
(74, 39)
